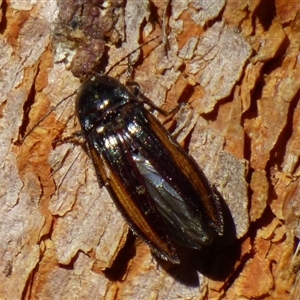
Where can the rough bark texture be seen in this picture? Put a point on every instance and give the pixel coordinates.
(235, 64)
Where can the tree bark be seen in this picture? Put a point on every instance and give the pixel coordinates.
(236, 67)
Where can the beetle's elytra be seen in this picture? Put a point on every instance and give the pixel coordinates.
(159, 189)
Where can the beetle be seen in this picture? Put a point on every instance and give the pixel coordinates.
(159, 189)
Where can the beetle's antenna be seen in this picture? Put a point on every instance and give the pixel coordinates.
(74, 93)
(46, 115)
(131, 52)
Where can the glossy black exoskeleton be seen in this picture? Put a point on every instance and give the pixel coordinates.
(159, 189)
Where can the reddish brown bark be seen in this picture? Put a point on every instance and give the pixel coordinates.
(236, 65)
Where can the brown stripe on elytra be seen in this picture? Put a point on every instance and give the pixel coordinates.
(129, 208)
(191, 171)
